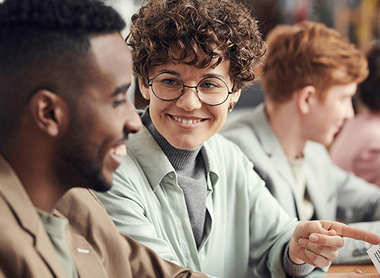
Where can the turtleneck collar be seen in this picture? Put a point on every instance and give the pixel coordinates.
(181, 160)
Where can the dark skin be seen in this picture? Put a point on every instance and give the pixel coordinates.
(44, 120)
(105, 112)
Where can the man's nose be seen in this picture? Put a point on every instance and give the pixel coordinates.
(133, 121)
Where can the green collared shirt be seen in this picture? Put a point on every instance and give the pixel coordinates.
(56, 230)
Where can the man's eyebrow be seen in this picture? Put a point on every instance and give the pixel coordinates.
(121, 89)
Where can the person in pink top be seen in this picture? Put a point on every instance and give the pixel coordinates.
(357, 147)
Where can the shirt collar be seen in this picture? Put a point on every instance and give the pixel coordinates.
(149, 155)
(156, 165)
(211, 164)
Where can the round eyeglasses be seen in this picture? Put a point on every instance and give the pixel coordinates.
(168, 86)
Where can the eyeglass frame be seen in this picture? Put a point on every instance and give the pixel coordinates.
(191, 87)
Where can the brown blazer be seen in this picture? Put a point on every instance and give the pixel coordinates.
(121, 255)
(25, 248)
(98, 249)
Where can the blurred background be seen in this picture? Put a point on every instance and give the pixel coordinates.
(358, 20)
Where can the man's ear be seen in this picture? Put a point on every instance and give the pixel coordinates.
(144, 90)
(306, 98)
(49, 112)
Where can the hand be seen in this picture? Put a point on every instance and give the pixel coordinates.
(317, 242)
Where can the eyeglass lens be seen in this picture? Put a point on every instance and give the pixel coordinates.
(212, 90)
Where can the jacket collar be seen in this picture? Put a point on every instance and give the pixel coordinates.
(154, 162)
(149, 155)
(15, 196)
(271, 145)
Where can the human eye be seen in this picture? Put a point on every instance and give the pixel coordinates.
(208, 85)
(120, 100)
(167, 82)
(211, 85)
(170, 82)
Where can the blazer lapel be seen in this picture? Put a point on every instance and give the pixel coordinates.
(274, 151)
(87, 261)
(16, 197)
(323, 209)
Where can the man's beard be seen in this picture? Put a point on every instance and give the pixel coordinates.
(74, 158)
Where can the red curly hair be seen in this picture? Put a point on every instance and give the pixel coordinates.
(309, 53)
(179, 31)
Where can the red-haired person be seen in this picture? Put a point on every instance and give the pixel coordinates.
(309, 78)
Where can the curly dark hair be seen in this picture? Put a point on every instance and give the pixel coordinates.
(172, 30)
(46, 44)
(369, 90)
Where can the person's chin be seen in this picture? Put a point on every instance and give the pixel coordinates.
(101, 182)
(102, 187)
(329, 140)
(336, 133)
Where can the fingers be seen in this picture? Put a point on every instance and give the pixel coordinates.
(323, 245)
(318, 240)
(305, 228)
(351, 232)
(318, 254)
(318, 259)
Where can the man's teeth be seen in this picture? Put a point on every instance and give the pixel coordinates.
(186, 121)
(120, 150)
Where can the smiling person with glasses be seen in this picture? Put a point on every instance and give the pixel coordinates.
(185, 191)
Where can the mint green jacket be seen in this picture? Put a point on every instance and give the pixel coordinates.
(246, 229)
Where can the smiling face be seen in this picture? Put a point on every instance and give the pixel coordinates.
(101, 119)
(328, 116)
(187, 122)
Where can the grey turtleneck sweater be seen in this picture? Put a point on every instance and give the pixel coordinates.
(191, 177)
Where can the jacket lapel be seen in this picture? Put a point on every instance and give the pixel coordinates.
(87, 261)
(323, 209)
(17, 199)
(276, 155)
